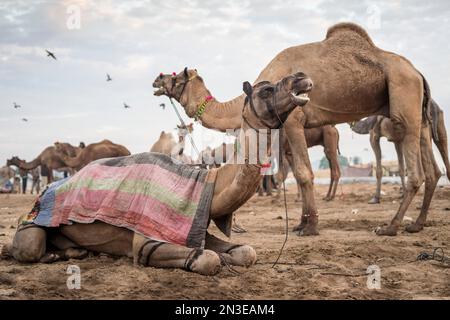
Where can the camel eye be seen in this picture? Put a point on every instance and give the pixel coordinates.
(266, 92)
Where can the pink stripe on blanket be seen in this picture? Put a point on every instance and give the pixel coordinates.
(180, 185)
(123, 203)
(173, 231)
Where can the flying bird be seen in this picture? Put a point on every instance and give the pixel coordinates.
(163, 105)
(24, 119)
(126, 106)
(108, 78)
(50, 54)
(16, 106)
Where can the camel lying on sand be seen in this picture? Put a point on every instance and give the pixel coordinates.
(94, 151)
(326, 136)
(234, 185)
(166, 143)
(379, 126)
(49, 158)
(355, 79)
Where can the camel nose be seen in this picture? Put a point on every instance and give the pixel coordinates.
(308, 83)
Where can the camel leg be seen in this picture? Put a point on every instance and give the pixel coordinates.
(406, 115)
(442, 143)
(290, 161)
(432, 175)
(401, 163)
(335, 173)
(294, 127)
(157, 254)
(29, 244)
(234, 254)
(375, 143)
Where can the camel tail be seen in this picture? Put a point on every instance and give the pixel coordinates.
(429, 112)
(338, 137)
(440, 140)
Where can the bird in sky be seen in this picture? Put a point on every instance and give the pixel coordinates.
(24, 119)
(16, 106)
(108, 77)
(163, 105)
(50, 54)
(126, 106)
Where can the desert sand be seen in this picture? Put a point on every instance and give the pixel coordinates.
(329, 266)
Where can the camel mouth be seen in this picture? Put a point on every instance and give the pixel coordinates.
(300, 98)
(159, 91)
(301, 90)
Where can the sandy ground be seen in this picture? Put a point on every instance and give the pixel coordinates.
(328, 266)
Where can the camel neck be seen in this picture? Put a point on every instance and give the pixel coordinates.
(216, 115)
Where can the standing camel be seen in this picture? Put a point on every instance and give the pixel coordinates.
(234, 185)
(326, 136)
(355, 79)
(379, 126)
(49, 158)
(94, 151)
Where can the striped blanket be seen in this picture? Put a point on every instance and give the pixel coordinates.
(146, 193)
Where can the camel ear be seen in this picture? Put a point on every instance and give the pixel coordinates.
(247, 87)
(162, 133)
(185, 71)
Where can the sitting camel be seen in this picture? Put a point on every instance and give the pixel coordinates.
(166, 143)
(356, 79)
(49, 158)
(379, 126)
(326, 136)
(234, 185)
(94, 151)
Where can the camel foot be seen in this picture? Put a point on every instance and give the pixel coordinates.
(50, 258)
(207, 264)
(244, 256)
(299, 227)
(298, 199)
(414, 228)
(374, 200)
(327, 198)
(387, 231)
(309, 230)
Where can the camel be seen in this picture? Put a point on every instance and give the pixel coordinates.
(234, 185)
(379, 126)
(356, 79)
(326, 136)
(94, 151)
(166, 143)
(50, 158)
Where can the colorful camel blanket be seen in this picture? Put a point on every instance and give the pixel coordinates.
(146, 193)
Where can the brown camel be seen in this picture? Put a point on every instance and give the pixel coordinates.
(166, 143)
(379, 126)
(235, 184)
(355, 79)
(94, 151)
(326, 136)
(50, 158)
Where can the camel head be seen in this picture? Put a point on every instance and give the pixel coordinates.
(81, 145)
(183, 130)
(270, 104)
(14, 161)
(187, 87)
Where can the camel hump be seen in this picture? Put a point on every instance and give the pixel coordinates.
(349, 27)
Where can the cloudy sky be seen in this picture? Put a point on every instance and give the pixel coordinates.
(227, 41)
